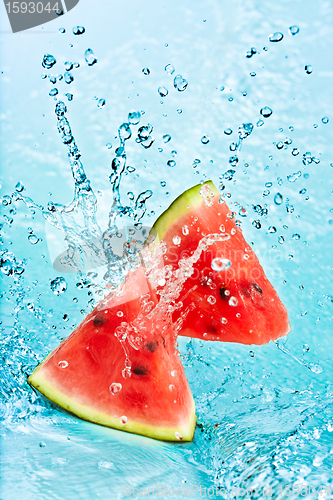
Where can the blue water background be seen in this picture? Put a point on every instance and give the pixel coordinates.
(264, 419)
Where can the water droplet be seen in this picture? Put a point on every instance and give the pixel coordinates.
(245, 130)
(185, 230)
(306, 348)
(271, 229)
(180, 83)
(253, 74)
(174, 373)
(48, 61)
(256, 224)
(53, 92)
(220, 264)
(294, 177)
(177, 240)
(162, 91)
(115, 387)
(134, 117)
(90, 57)
(205, 139)
(146, 71)
(293, 30)
(296, 236)
(169, 68)
(19, 187)
(278, 199)
(316, 368)
(78, 30)
(62, 30)
(266, 111)
(126, 372)
(260, 123)
(325, 119)
(58, 285)
(228, 131)
(233, 232)
(233, 301)
(281, 240)
(163, 183)
(101, 103)
(63, 364)
(251, 353)
(69, 78)
(243, 212)
(123, 420)
(224, 321)
(211, 300)
(275, 37)
(120, 314)
(68, 66)
(33, 239)
(307, 158)
(178, 436)
(124, 132)
(308, 69)
(171, 387)
(171, 163)
(295, 152)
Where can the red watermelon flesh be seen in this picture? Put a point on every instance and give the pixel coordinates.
(120, 368)
(228, 296)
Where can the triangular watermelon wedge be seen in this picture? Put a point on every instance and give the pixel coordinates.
(120, 368)
(228, 296)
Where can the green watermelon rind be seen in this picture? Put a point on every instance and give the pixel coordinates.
(181, 206)
(39, 382)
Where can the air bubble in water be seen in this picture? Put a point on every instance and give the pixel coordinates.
(177, 240)
(224, 321)
(63, 364)
(260, 123)
(308, 69)
(171, 163)
(115, 387)
(101, 103)
(228, 131)
(19, 187)
(58, 285)
(166, 138)
(162, 91)
(180, 83)
(293, 30)
(275, 37)
(205, 139)
(325, 119)
(90, 57)
(256, 224)
(266, 111)
(53, 92)
(48, 61)
(62, 30)
(185, 230)
(296, 236)
(278, 199)
(146, 71)
(79, 30)
(294, 177)
(126, 372)
(169, 68)
(219, 264)
(163, 183)
(233, 301)
(174, 373)
(281, 240)
(134, 117)
(271, 229)
(123, 420)
(295, 152)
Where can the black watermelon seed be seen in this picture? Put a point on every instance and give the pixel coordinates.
(99, 320)
(140, 370)
(223, 295)
(151, 346)
(257, 287)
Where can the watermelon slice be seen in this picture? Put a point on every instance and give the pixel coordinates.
(227, 295)
(120, 368)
